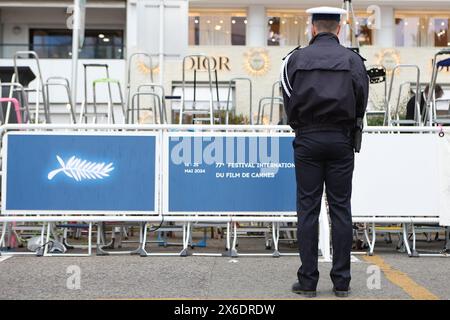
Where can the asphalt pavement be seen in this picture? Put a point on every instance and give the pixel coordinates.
(387, 275)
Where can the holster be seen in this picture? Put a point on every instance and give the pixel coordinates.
(357, 135)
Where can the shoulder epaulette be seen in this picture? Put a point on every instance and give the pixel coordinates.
(356, 50)
(291, 52)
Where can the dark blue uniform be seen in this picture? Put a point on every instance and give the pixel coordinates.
(325, 87)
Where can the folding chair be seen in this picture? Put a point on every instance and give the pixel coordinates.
(40, 86)
(84, 114)
(110, 112)
(22, 100)
(431, 117)
(64, 83)
(132, 58)
(268, 101)
(209, 113)
(158, 108)
(17, 109)
(417, 114)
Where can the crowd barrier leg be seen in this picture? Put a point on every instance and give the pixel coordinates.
(2, 238)
(46, 252)
(276, 238)
(405, 239)
(413, 230)
(143, 240)
(370, 242)
(268, 240)
(228, 244)
(142, 251)
(443, 253)
(324, 238)
(78, 234)
(186, 239)
(4, 246)
(102, 238)
(99, 237)
(9, 233)
(40, 251)
(90, 239)
(233, 251)
(447, 239)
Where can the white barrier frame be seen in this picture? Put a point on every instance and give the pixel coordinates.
(324, 221)
(47, 241)
(4, 211)
(165, 208)
(191, 219)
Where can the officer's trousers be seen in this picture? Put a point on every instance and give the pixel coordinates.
(324, 158)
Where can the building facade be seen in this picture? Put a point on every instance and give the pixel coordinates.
(244, 38)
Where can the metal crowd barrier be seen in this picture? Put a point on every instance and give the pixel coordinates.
(232, 218)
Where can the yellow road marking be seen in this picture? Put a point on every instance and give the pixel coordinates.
(402, 280)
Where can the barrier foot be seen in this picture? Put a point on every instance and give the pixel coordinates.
(40, 252)
(142, 252)
(110, 246)
(233, 253)
(414, 254)
(67, 245)
(100, 251)
(276, 254)
(184, 253)
(226, 253)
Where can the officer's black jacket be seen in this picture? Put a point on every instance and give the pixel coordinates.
(324, 85)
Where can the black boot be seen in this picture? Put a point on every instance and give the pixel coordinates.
(296, 288)
(341, 293)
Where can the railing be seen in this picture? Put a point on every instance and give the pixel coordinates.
(100, 51)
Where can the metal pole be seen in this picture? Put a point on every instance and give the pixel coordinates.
(161, 41)
(75, 46)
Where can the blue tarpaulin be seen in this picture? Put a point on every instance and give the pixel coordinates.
(444, 63)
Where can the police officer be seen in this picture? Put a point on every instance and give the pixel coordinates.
(325, 88)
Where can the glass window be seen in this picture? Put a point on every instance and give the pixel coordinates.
(209, 28)
(422, 30)
(290, 28)
(287, 29)
(365, 35)
(57, 44)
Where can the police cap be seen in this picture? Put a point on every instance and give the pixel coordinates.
(326, 13)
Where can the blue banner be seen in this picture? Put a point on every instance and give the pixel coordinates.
(231, 174)
(57, 172)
